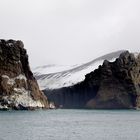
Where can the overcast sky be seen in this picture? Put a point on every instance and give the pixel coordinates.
(71, 31)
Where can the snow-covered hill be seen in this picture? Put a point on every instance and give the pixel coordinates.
(52, 68)
(53, 76)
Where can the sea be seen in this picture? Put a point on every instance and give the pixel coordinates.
(70, 124)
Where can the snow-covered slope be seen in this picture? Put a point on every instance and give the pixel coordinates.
(53, 77)
(52, 69)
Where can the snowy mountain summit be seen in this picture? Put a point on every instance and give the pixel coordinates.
(54, 77)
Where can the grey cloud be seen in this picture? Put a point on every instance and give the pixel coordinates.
(71, 31)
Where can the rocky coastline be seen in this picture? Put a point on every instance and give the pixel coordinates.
(18, 87)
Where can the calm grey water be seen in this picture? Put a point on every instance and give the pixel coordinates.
(70, 125)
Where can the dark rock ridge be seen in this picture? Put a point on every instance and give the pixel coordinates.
(114, 85)
(18, 87)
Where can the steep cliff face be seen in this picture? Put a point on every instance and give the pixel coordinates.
(118, 82)
(113, 85)
(18, 87)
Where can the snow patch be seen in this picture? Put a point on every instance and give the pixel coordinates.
(10, 44)
(53, 68)
(5, 76)
(21, 77)
(11, 81)
(3, 107)
(22, 97)
(136, 54)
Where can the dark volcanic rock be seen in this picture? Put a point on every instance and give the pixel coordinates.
(114, 85)
(18, 87)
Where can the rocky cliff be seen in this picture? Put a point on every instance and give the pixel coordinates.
(114, 85)
(18, 87)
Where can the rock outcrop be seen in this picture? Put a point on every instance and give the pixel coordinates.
(18, 87)
(114, 85)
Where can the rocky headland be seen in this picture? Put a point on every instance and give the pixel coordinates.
(114, 85)
(18, 87)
